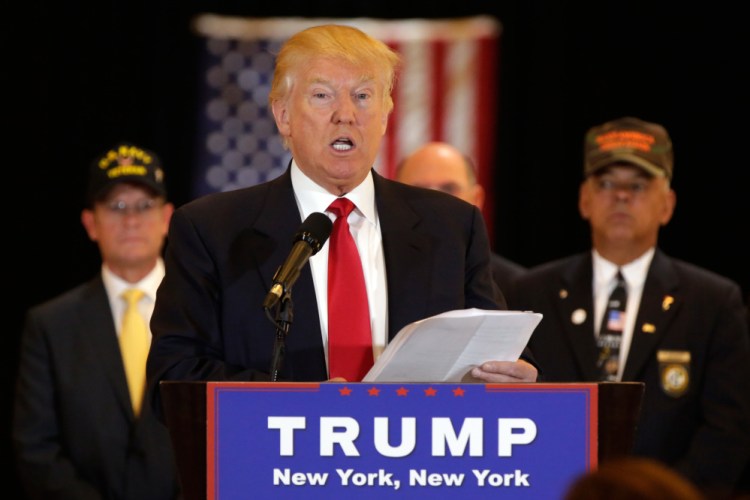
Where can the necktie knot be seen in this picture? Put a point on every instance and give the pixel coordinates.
(619, 293)
(620, 279)
(341, 207)
(132, 296)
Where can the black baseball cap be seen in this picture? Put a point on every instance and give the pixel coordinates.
(125, 162)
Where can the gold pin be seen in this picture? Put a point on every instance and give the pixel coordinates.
(667, 302)
(563, 293)
(648, 328)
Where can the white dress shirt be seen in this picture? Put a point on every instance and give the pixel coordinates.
(116, 285)
(605, 280)
(365, 228)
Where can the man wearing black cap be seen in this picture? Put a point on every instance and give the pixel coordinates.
(678, 328)
(80, 429)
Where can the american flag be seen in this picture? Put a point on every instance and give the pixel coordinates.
(446, 91)
(615, 320)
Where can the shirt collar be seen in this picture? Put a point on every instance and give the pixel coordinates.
(149, 284)
(314, 198)
(634, 272)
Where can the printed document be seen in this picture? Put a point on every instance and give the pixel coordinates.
(445, 347)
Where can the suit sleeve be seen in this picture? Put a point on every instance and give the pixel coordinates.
(187, 343)
(721, 443)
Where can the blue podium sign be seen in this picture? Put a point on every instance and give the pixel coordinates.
(336, 440)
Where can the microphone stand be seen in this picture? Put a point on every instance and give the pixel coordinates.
(284, 317)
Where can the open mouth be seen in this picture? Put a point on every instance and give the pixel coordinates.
(342, 144)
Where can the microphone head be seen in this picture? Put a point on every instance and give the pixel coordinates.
(315, 231)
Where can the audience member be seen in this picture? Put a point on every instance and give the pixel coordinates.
(422, 252)
(80, 430)
(441, 166)
(676, 327)
(632, 478)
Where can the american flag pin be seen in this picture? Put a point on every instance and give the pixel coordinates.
(667, 302)
(648, 328)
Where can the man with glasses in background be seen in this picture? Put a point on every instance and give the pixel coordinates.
(80, 428)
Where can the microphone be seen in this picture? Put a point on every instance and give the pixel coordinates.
(309, 238)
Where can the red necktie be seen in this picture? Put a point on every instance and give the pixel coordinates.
(349, 337)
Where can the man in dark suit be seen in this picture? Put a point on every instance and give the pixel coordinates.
(441, 166)
(422, 252)
(77, 431)
(682, 332)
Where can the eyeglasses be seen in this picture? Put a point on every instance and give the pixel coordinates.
(634, 188)
(120, 208)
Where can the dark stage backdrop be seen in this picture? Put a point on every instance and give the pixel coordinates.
(79, 77)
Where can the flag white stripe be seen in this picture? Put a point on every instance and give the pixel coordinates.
(460, 120)
(414, 110)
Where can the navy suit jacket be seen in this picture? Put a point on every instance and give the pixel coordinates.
(504, 271)
(74, 431)
(223, 250)
(699, 421)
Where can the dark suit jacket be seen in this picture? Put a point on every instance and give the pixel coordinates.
(504, 271)
(223, 250)
(704, 431)
(74, 432)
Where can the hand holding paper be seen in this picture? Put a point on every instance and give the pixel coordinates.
(446, 347)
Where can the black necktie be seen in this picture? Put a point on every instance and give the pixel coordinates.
(610, 333)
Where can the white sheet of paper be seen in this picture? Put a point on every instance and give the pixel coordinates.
(443, 348)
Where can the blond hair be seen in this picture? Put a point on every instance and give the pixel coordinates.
(338, 42)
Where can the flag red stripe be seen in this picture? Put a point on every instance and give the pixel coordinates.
(438, 90)
(485, 113)
(390, 148)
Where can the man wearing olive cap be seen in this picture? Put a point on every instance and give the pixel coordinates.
(676, 327)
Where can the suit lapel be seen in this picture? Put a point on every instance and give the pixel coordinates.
(659, 304)
(277, 221)
(97, 323)
(406, 257)
(576, 308)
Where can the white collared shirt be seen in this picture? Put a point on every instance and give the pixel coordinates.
(114, 285)
(365, 228)
(605, 273)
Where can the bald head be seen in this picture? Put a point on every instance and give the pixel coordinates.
(438, 165)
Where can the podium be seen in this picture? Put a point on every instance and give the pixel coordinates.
(187, 406)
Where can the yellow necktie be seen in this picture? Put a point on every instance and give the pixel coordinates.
(134, 346)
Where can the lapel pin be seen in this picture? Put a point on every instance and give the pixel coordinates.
(648, 328)
(667, 302)
(563, 293)
(578, 316)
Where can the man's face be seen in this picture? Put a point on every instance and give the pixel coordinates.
(625, 206)
(129, 226)
(333, 121)
(441, 171)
